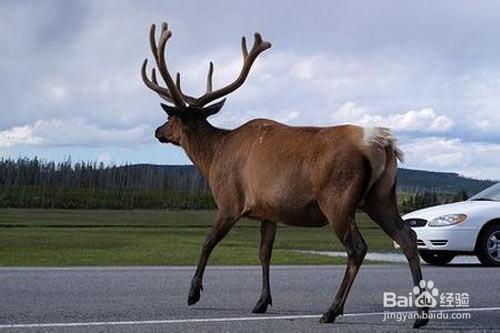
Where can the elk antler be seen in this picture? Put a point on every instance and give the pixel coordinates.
(258, 47)
(172, 93)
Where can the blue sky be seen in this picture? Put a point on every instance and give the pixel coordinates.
(430, 70)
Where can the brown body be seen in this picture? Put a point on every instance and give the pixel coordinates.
(299, 176)
(269, 171)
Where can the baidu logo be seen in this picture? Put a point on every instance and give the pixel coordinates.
(425, 294)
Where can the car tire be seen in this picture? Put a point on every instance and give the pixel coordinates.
(487, 251)
(438, 258)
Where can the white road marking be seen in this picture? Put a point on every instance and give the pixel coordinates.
(179, 268)
(388, 257)
(164, 268)
(228, 319)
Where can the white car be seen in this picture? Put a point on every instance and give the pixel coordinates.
(469, 227)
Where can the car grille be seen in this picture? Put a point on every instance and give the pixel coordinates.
(415, 223)
(439, 242)
(420, 242)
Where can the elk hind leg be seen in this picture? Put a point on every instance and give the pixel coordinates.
(356, 249)
(380, 204)
(340, 208)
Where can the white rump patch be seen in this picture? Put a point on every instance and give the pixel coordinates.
(381, 137)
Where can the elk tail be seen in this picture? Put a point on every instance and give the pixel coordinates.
(382, 152)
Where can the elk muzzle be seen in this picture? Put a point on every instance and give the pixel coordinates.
(159, 135)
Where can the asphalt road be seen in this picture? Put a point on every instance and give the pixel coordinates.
(154, 299)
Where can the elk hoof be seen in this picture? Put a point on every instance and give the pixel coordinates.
(420, 322)
(194, 295)
(423, 318)
(261, 306)
(327, 317)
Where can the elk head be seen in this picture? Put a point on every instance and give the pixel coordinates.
(185, 112)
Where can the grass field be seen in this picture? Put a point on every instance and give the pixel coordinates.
(76, 238)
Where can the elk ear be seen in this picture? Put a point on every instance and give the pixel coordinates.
(172, 111)
(214, 108)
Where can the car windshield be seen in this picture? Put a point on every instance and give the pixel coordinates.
(490, 194)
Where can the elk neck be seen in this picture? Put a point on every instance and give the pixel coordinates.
(201, 142)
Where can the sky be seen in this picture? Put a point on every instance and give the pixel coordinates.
(430, 70)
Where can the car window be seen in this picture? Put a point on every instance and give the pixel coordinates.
(492, 193)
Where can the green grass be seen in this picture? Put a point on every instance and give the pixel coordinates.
(37, 237)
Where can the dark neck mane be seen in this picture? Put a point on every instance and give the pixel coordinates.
(201, 143)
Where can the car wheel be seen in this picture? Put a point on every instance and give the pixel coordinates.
(436, 257)
(488, 246)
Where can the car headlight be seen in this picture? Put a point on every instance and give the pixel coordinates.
(448, 219)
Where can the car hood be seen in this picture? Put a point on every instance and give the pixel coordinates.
(470, 208)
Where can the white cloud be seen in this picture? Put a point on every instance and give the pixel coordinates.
(425, 120)
(105, 157)
(480, 160)
(52, 92)
(72, 132)
(349, 111)
(17, 136)
(290, 116)
(482, 102)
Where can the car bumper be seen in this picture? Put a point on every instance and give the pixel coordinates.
(446, 238)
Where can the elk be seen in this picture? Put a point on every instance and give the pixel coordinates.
(274, 173)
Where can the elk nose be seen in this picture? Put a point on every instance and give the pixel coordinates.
(158, 133)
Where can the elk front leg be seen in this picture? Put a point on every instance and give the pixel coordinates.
(220, 228)
(268, 232)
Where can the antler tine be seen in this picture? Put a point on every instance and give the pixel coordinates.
(209, 77)
(258, 47)
(259, 44)
(168, 98)
(153, 76)
(244, 49)
(178, 81)
(164, 26)
(153, 84)
(152, 40)
(162, 66)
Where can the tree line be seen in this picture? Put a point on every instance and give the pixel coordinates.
(413, 201)
(35, 183)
